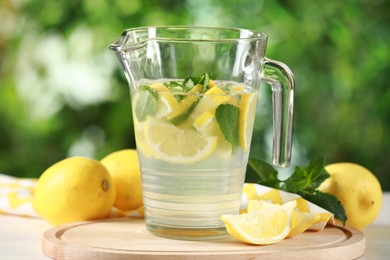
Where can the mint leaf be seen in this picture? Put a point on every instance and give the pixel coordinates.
(297, 181)
(320, 179)
(146, 102)
(190, 82)
(268, 175)
(306, 177)
(174, 86)
(328, 202)
(204, 81)
(227, 117)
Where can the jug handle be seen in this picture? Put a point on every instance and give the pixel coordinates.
(281, 79)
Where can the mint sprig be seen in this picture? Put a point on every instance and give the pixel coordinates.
(306, 178)
(188, 84)
(304, 181)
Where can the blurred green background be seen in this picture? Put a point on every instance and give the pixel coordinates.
(62, 91)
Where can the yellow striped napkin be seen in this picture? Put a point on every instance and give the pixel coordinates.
(16, 195)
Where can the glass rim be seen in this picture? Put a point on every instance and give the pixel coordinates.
(151, 33)
(247, 33)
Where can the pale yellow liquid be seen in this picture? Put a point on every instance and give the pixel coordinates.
(185, 201)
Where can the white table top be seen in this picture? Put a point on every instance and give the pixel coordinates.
(20, 238)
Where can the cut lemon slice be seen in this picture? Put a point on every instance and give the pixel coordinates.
(263, 227)
(167, 103)
(211, 83)
(247, 114)
(187, 104)
(178, 145)
(210, 100)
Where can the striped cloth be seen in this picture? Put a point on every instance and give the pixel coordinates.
(16, 195)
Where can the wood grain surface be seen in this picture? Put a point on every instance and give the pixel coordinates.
(128, 238)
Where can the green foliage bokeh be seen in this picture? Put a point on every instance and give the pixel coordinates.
(62, 91)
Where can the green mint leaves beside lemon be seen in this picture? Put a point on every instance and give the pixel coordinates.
(304, 181)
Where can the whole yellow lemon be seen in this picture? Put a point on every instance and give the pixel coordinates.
(74, 189)
(358, 190)
(125, 171)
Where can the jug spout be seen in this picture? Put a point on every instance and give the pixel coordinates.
(128, 42)
(130, 49)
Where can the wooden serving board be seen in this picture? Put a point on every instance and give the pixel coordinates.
(128, 238)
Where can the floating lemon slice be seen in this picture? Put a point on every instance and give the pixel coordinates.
(178, 145)
(263, 227)
(186, 105)
(142, 145)
(167, 103)
(247, 113)
(209, 101)
(211, 83)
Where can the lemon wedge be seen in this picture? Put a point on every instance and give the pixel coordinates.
(258, 205)
(177, 144)
(247, 113)
(263, 227)
(300, 221)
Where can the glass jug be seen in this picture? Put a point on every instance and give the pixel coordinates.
(194, 92)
